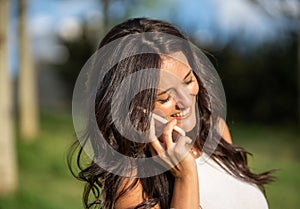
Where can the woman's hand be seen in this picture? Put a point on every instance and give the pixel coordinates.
(173, 153)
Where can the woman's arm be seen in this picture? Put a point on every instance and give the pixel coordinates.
(176, 156)
(186, 192)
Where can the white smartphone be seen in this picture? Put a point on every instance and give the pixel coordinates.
(164, 121)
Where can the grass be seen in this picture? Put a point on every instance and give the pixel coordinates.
(46, 183)
(274, 148)
(44, 179)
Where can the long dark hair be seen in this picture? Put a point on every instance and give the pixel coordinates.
(103, 188)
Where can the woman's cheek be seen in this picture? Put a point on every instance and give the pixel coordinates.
(164, 110)
(195, 88)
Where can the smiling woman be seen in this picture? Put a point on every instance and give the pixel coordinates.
(152, 73)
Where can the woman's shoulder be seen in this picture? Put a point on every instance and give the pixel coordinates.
(224, 130)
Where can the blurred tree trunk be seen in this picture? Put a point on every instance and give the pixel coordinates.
(8, 167)
(105, 5)
(28, 108)
(299, 68)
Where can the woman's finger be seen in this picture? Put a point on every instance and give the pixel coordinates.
(162, 159)
(183, 145)
(154, 142)
(157, 146)
(152, 130)
(167, 133)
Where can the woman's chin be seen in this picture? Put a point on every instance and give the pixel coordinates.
(188, 129)
(187, 126)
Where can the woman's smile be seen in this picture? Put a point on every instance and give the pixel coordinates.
(182, 114)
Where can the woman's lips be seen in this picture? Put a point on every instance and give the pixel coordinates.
(182, 114)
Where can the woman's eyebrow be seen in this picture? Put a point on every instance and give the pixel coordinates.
(165, 91)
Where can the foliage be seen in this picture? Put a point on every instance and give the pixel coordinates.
(260, 84)
(79, 52)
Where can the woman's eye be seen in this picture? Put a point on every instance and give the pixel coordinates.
(164, 100)
(189, 81)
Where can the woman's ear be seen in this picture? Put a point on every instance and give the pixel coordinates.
(224, 131)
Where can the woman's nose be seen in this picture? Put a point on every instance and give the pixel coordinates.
(183, 98)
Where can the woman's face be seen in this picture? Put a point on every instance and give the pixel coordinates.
(177, 91)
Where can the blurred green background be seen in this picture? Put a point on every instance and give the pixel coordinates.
(254, 45)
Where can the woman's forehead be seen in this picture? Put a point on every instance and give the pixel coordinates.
(174, 65)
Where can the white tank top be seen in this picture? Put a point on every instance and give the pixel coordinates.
(220, 190)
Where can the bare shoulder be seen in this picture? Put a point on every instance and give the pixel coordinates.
(131, 197)
(224, 130)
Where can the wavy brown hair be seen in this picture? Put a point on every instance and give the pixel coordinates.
(103, 188)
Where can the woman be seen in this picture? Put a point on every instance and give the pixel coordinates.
(149, 68)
